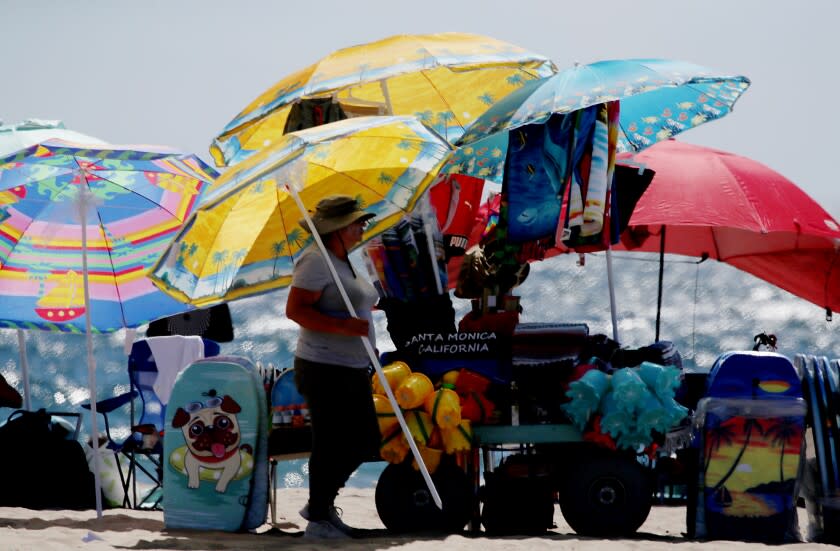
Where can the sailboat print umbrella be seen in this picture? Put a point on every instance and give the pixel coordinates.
(245, 238)
(87, 224)
(446, 80)
(14, 137)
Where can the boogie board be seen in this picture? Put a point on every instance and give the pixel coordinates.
(815, 419)
(753, 422)
(215, 466)
(830, 423)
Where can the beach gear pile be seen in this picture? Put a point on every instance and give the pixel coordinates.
(435, 417)
(627, 407)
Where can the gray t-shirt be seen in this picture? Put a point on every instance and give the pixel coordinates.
(312, 274)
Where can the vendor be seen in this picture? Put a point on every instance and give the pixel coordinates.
(331, 363)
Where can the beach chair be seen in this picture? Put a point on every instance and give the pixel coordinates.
(144, 446)
(750, 428)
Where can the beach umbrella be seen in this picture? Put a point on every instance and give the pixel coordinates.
(14, 137)
(444, 79)
(544, 132)
(245, 238)
(82, 226)
(707, 203)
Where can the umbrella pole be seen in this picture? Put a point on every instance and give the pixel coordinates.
(613, 315)
(371, 353)
(427, 215)
(91, 361)
(24, 370)
(661, 272)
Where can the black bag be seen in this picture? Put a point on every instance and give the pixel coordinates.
(43, 468)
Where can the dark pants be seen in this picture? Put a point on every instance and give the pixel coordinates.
(345, 432)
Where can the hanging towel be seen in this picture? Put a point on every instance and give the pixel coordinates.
(171, 355)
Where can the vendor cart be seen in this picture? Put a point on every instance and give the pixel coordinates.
(526, 461)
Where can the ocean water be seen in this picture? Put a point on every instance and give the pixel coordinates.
(708, 309)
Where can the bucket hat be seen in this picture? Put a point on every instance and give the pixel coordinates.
(335, 212)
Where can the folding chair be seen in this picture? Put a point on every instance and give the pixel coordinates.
(145, 441)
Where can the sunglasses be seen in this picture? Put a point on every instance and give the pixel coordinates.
(213, 402)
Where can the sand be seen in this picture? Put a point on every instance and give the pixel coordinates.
(25, 529)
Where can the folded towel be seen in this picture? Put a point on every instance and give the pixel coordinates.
(172, 354)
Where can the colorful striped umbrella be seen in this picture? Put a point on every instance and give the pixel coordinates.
(446, 80)
(14, 137)
(138, 201)
(80, 227)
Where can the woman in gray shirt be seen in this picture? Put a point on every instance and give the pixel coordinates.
(331, 363)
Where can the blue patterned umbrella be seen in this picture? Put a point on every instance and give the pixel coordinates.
(659, 99)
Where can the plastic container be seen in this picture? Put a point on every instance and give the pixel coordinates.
(412, 392)
(457, 439)
(419, 425)
(395, 373)
(394, 447)
(384, 414)
(444, 407)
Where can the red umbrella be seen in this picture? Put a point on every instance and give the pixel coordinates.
(709, 203)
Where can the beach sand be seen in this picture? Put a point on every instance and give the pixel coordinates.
(25, 529)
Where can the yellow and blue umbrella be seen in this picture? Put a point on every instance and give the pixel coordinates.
(245, 238)
(659, 99)
(446, 80)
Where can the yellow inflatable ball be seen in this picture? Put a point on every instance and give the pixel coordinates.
(384, 414)
(395, 373)
(394, 447)
(444, 406)
(412, 391)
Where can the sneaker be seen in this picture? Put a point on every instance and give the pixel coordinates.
(333, 518)
(323, 529)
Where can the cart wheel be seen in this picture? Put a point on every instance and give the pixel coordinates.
(606, 496)
(404, 503)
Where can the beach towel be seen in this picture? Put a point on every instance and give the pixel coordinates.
(171, 355)
(535, 171)
(585, 221)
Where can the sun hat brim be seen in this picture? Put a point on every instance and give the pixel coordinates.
(328, 225)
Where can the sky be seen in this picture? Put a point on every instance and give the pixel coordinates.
(175, 72)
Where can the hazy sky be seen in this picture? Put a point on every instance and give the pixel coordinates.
(175, 72)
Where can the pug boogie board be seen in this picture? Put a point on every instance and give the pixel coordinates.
(215, 462)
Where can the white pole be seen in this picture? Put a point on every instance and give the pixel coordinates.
(371, 353)
(91, 361)
(430, 241)
(612, 295)
(24, 370)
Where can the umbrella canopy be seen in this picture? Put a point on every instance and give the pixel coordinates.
(139, 199)
(446, 80)
(659, 98)
(710, 203)
(245, 238)
(14, 137)
(81, 227)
